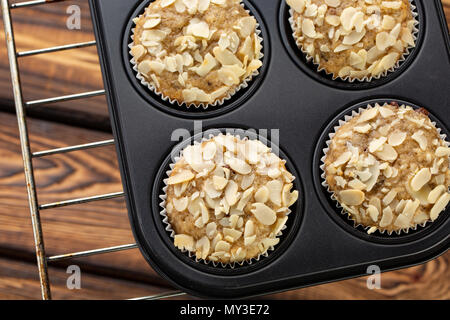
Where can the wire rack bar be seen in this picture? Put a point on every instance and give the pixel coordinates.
(73, 148)
(31, 3)
(57, 48)
(66, 98)
(171, 294)
(71, 202)
(88, 253)
(26, 152)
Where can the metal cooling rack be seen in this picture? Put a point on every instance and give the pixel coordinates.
(28, 155)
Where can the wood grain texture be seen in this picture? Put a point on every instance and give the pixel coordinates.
(105, 223)
(100, 224)
(61, 73)
(19, 280)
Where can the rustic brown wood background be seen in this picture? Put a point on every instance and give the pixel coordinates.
(84, 173)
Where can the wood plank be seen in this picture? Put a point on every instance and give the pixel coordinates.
(19, 280)
(425, 282)
(61, 73)
(60, 177)
(105, 223)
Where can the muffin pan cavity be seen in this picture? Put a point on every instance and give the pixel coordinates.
(155, 100)
(287, 98)
(335, 212)
(310, 68)
(293, 222)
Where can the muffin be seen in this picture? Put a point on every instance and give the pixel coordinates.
(388, 167)
(196, 52)
(354, 39)
(227, 199)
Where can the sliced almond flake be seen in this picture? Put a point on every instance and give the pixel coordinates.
(262, 194)
(180, 177)
(368, 115)
(249, 240)
(387, 217)
(263, 214)
(389, 197)
(184, 242)
(439, 206)
(377, 144)
(308, 28)
(352, 197)
(386, 112)
(387, 153)
(420, 179)
(356, 184)
(373, 212)
(397, 138)
(436, 193)
(203, 247)
(166, 3)
(247, 26)
(275, 189)
(347, 16)
(376, 202)
(442, 152)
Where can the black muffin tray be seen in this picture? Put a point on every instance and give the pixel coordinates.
(320, 244)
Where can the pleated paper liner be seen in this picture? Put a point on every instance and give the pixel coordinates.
(171, 232)
(324, 183)
(218, 103)
(319, 68)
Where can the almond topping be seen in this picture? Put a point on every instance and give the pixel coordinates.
(219, 182)
(352, 197)
(231, 193)
(397, 138)
(262, 194)
(181, 204)
(211, 229)
(240, 166)
(387, 217)
(443, 152)
(275, 188)
(436, 193)
(249, 240)
(387, 153)
(368, 115)
(377, 144)
(203, 247)
(439, 206)
(184, 242)
(180, 177)
(222, 246)
(297, 5)
(420, 179)
(373, 213)
(263, 214)
(420, 139)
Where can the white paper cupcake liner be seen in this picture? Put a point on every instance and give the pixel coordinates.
(170, 230)
(402, 58)
(344, 212)
(245, 83)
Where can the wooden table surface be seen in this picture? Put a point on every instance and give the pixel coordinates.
(84, 173)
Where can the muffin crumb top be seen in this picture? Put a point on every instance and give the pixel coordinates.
(228, 199)
(356, 39)
(196, 51)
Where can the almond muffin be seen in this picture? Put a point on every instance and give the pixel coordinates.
(389, 168)
(196, 51)
(227, 199)
(354, 39)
